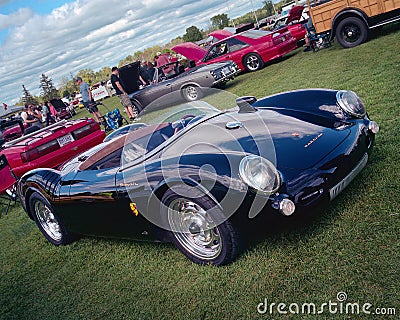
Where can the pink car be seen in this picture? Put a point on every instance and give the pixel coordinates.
(249, 49)
(294, 24)
(46, 148)
(11, 129)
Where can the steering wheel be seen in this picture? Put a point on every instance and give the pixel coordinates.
(182, 122)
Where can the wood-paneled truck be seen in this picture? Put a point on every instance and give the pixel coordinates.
(350, 20)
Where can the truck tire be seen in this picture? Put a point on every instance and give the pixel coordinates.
(351, 32)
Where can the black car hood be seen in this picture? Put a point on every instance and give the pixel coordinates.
(294, 142)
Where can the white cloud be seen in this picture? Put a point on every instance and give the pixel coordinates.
(15, 19)
(93, 34)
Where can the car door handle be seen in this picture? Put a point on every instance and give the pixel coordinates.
(168, 84)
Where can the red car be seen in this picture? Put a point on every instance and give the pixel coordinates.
(46, 148)
(11, 129)
(293, 23)
(249, 49)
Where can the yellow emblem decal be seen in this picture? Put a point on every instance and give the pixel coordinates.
(133, 208)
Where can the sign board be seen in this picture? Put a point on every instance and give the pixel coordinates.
(100, 93)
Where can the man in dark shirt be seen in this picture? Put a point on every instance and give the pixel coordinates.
(143, 73)
(121, 93)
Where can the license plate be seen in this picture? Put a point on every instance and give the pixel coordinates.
(68, 138)
(226, 71)
(334, 192)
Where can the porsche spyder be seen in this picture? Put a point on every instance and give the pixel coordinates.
(203, 178)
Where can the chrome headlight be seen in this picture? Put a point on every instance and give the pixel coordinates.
(350, 103)
(259, 173)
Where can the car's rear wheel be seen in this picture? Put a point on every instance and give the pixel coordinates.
(197, 228)
(48, 222)
(351, 32)
(191, 93)
(253, 62)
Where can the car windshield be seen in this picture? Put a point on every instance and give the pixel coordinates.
(163, 124)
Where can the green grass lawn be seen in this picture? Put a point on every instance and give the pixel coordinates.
(352, 247)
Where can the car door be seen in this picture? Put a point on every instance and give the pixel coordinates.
(236, 50)
(218, 53)
(95, 207)
(154, 91)
(230, 49)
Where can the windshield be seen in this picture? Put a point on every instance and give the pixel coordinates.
(163, 124)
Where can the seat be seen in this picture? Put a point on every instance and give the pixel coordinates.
(317, 41)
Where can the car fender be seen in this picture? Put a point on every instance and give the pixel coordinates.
(214, 183)
(320, 102)
(43, 181)
(164, 185)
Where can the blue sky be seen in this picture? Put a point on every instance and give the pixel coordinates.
(41, 7)
(59, 37)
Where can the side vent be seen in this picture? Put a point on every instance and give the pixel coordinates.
(245, 104)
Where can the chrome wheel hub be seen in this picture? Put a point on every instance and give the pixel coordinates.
(252, 63)
(194, 229)
(191, 93)
(352, 33)
(47, 220)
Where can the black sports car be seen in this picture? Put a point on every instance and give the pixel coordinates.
(188, 85)
(202, 178)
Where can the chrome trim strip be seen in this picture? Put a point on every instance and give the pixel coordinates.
(334, 191)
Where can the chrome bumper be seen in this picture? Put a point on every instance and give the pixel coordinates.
(334, 191)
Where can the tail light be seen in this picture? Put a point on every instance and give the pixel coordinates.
(37, 152)
(277, 38)
(85, 130)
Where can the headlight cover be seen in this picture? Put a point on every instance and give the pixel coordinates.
(350, 103)
(259, 173)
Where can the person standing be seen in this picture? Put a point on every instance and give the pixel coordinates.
(150, 70)
(87, 99)
(163, 61)
(46, 114)
(143, 73)
(53, 111)
(31, 117)
(121, 93)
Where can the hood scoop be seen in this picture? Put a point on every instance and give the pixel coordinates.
(245, 104)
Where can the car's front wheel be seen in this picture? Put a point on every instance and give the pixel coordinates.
(191, 93)
(48, 222)
(197, 227)
(253, 62)
(136, 107)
